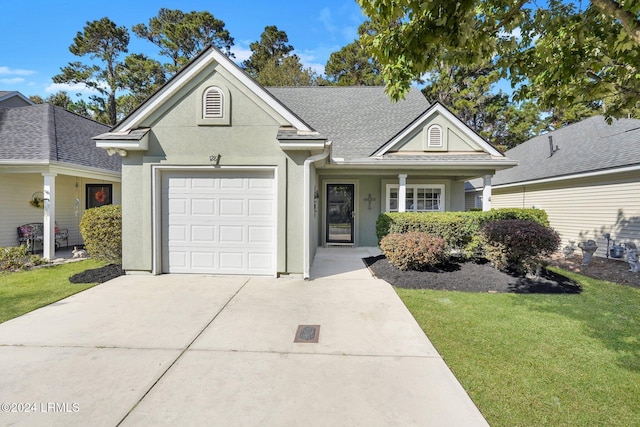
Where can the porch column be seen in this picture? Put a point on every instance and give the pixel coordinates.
(486, 193)
(402, 193)
(49, 220)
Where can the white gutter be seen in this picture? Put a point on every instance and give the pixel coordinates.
(566, 177)
(307, 211)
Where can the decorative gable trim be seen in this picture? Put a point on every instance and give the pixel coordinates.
(434, 109)
(190, 71)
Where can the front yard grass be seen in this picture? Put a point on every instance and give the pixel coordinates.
(25, 291)
(541, 360)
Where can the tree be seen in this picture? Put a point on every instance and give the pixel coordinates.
(271, 48)
(272, 64)
(181, 36)
(353, 66)
(141, 76)
(103, 41)
(558, 55)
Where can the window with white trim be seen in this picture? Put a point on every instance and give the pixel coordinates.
(434, 137)
(419, 198)
(213, 103)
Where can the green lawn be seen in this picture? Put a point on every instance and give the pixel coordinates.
(541, 360)
(25, 291)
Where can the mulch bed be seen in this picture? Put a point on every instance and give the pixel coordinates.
(98, 275)
(470, 277)
(610, 269)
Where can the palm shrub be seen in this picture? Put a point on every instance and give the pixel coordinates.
(517, 244)
(414, 250)
(101, 230)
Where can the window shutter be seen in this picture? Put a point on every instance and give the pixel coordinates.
(212, 105)
(434, 138)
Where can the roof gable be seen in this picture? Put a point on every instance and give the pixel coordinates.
(207, 57)
(456, 135)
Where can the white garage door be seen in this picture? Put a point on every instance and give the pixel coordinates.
(221, 222)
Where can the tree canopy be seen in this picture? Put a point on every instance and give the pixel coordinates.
(181, 36)
(556, 53)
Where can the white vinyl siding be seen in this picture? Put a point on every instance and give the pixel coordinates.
(583, 209)
(16, 191)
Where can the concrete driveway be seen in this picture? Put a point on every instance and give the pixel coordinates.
(220, 351)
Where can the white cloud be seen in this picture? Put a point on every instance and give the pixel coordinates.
(241, 53)
(12, 81)
(15, 71)
(327, 20)
(73, 88)
(307, 59)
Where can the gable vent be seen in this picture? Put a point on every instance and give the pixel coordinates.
(434, 136)
(212, 104)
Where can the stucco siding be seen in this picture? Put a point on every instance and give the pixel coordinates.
(583, 209)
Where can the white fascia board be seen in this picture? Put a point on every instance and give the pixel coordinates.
(301, 145)
(395, 164)
(214, 55)
(437, 108)
(634, 168)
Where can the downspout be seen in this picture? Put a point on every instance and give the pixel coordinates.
(306, 238)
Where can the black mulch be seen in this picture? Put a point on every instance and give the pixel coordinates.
(98, 275)
(470, 277)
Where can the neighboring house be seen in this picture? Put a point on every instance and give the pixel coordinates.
(47, 152)
(13, 99)
(586, 176)
(224, 176)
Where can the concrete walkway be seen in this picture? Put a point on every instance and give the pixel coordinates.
(219, 351)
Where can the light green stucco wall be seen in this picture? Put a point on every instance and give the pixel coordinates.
(176, 140)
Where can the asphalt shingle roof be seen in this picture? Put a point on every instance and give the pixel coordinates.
(45, 132)
(357, 119)
(590, 145)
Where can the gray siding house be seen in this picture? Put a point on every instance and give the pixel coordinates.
(223, 176)
(586, 176)
(47, 152)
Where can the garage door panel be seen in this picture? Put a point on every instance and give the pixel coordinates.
(231, 234)
(203, 207)
(232, 207)
(218, 222)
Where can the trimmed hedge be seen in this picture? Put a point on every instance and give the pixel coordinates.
(458, 229)
(101, 230)
(413, 250)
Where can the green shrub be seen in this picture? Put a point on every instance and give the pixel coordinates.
(101, 230)
(517, 244)
(458, 229)
(413, 250)
(17, 258)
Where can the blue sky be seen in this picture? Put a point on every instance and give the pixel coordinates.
(36, 34)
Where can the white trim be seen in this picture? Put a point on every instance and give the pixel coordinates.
(438, 108)
(156, 206)
(415, 186)
(566, 177)
(199, 64)
(218, 102)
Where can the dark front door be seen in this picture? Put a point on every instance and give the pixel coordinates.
(340, 213)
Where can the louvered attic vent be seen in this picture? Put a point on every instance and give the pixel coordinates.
(213, 104)
(434, 138)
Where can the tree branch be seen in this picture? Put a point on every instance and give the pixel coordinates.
(510, 15)
(629, 21)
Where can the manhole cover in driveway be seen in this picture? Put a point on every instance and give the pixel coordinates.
(307, 333)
